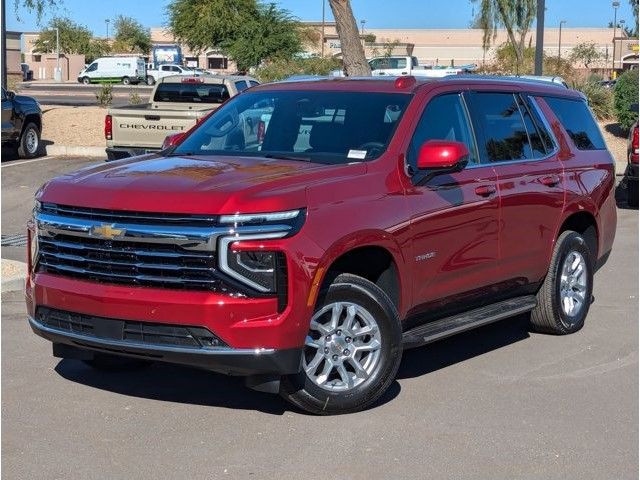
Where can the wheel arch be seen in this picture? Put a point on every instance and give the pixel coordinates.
(584, 223)
(379, 261)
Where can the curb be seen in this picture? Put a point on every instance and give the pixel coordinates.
(16, 279)
(68, 151)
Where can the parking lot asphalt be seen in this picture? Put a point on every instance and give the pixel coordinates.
(498, 402)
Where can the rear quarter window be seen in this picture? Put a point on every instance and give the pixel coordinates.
(577, 120)
(191, 93)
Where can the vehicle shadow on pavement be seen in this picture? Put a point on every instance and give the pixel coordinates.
(622, 195)
(458, 348)
(172, 383)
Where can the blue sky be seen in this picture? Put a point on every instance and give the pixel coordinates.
(377, 13)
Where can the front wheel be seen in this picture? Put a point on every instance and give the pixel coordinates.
(86, 80)
(352, 351)
(150, 80)
(565, 295)
(29, 145)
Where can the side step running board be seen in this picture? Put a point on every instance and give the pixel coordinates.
(439, 329)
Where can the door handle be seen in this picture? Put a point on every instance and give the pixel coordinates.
(550, 180)
(485, 190)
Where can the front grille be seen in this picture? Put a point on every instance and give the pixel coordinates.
(171, 251)
(152, 334)
(132, 263)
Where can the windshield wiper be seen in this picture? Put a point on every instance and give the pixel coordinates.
(286, 157)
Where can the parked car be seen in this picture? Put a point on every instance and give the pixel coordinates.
(177, 103)
(169, 71)
(631, 173)
(125, 70)
(368, 217)
(403, 65)
(21, 123)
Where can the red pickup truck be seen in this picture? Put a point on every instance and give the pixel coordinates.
(351, 219)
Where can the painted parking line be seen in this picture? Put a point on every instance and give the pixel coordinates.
(14, 164)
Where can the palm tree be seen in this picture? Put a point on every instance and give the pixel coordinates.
(355, 62)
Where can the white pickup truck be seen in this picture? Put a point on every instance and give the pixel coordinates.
(177, 103)
(162, 71)
(407, 65)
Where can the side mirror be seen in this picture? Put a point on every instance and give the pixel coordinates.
(441, 155)
(173, 140)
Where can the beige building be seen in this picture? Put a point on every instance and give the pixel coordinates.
(13, 53)
(43, 65)
(464, 46)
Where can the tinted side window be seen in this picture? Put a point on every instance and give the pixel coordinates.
(534, 109)
(253, 83)
(444, 118)
(504, 134)
(535, 139)
(577, 120)
(241, 85)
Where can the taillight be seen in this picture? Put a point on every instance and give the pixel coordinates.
(260, 132)
(634, 145)
(172, 140)
(108, 127)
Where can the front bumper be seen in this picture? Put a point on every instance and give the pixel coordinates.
(228, 361)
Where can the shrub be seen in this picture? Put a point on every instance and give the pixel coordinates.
(134, 98)
(625, 94)
(105, 95)
(600, 98)
(282, 68)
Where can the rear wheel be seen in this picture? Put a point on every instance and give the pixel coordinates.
(352, 351)
(29, 144)
(112, 363)
(126, 81)
(86, 80)
(565, 295)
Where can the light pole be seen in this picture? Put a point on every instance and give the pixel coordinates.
(615, 6)
(107, 22)
(362, 22)
(560, 40)
(539, 38)
(58, 75)
(322, 47)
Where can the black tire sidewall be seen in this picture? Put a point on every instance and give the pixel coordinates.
(23, 151)
(388, 363)
(86, 80)
(126, 81)
(569, 243)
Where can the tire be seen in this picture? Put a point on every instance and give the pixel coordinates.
(325, 391)
(29, 143)
(632, 193)
(86, 80)
(150, 80)
(126, 81)
(557, 313)
(112, 363)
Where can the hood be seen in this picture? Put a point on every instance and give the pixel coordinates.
(195, 185)
(24, 100)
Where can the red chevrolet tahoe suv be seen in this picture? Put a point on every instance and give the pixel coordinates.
(307, 232)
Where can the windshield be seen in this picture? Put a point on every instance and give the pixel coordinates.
(317, 126)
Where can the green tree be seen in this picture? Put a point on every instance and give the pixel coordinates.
(271, 34)
(625, 94)
(37, 6)
(74, 39)
(130, 36)
(634, 6)
(516, 16)
(586, 53)
(202, 24)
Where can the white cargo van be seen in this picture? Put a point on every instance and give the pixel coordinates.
(127, 70)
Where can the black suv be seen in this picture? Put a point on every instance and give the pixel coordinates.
(21, 123)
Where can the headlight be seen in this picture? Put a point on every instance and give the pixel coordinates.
(258, 269)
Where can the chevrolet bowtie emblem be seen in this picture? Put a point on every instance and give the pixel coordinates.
(107, 231)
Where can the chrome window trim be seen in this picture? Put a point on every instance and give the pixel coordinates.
(144, 346)
(223, 263)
